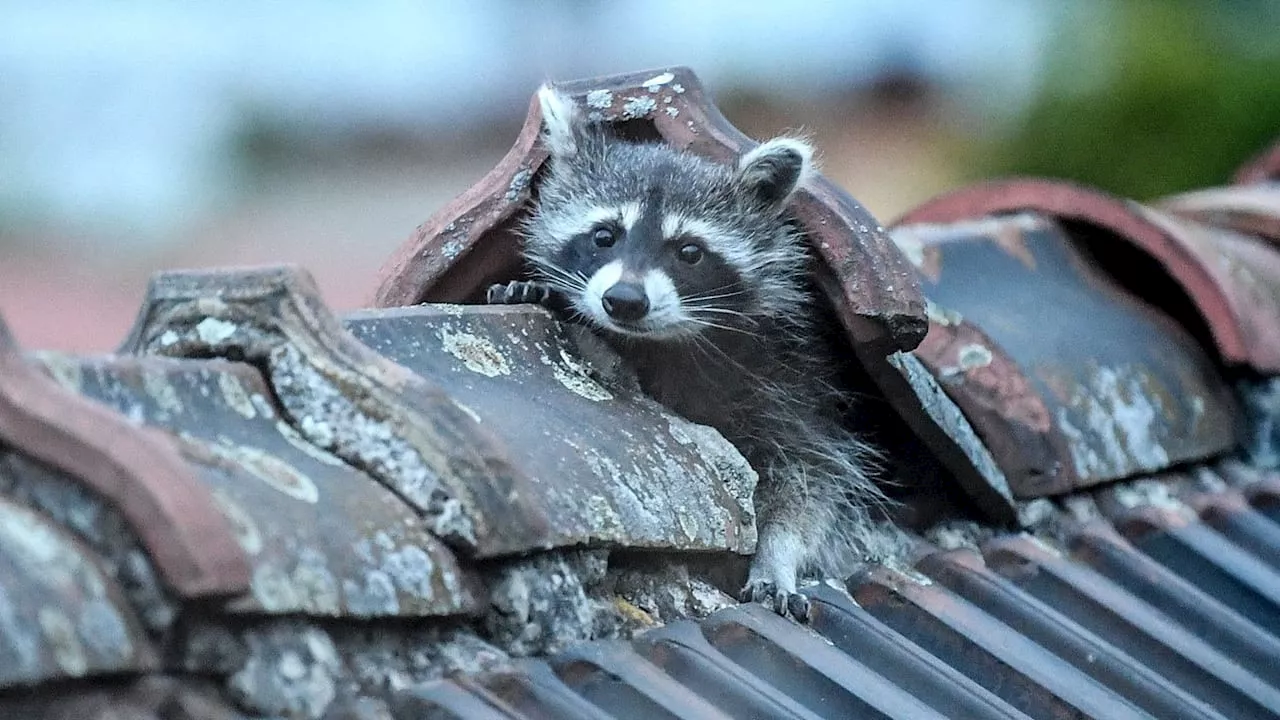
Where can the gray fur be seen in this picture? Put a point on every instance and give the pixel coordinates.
(749, 359)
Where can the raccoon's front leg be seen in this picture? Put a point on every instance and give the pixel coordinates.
(532, 292)
(771, 581)
(519, 292)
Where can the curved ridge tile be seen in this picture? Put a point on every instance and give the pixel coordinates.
(1068, 379)
(606, 464)
(137, 471)
(1233, 280)
(347, 399)
(322, 538)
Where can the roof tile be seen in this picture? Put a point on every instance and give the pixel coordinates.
(61, 614)
(347, 399)
(137, 471)
(322, 538)
(1233, 280)
(606, 465)
(1068, 379)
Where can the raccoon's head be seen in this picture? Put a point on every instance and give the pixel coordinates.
(650, 242)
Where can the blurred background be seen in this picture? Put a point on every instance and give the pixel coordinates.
(147, 134)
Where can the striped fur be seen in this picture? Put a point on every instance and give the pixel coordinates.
(734, 341)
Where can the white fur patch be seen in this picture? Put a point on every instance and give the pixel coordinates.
(565, 227)
(665, 308)
(559, 114)
(630, 214)
(593, 296)
(671, 225)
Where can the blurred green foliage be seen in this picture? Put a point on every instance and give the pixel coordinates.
(1149, 97)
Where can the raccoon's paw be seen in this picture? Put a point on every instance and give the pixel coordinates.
(518, 292)
(778, 599)
(772, 578)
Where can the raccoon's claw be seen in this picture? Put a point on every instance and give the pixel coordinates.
(783, 602)
(517, 293)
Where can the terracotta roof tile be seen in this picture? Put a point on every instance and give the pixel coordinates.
(1233, 280)
(1050, 358)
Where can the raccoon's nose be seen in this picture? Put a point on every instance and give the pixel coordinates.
(625, 301)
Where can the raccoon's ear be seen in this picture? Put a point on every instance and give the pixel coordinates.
(562, 121)
(774, 170)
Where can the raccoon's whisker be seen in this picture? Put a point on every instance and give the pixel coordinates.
(715, 314)
(718, 326)
(711, 303)
(695, 310)
(548, 265)
(727, 286)
(554, 270)
(732, 289)
(717, 292)
(560, 277)
(721, 296)
(706, 345)
(558, 282)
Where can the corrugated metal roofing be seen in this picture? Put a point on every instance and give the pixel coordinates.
(1172, 616)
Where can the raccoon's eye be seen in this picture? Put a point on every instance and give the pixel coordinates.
(604, 238)
(690, 254)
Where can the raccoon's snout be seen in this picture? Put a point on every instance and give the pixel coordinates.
(626, 302)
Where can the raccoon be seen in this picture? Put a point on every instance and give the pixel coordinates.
(697, 275)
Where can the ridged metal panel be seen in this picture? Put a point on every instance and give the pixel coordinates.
(1165, 614)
